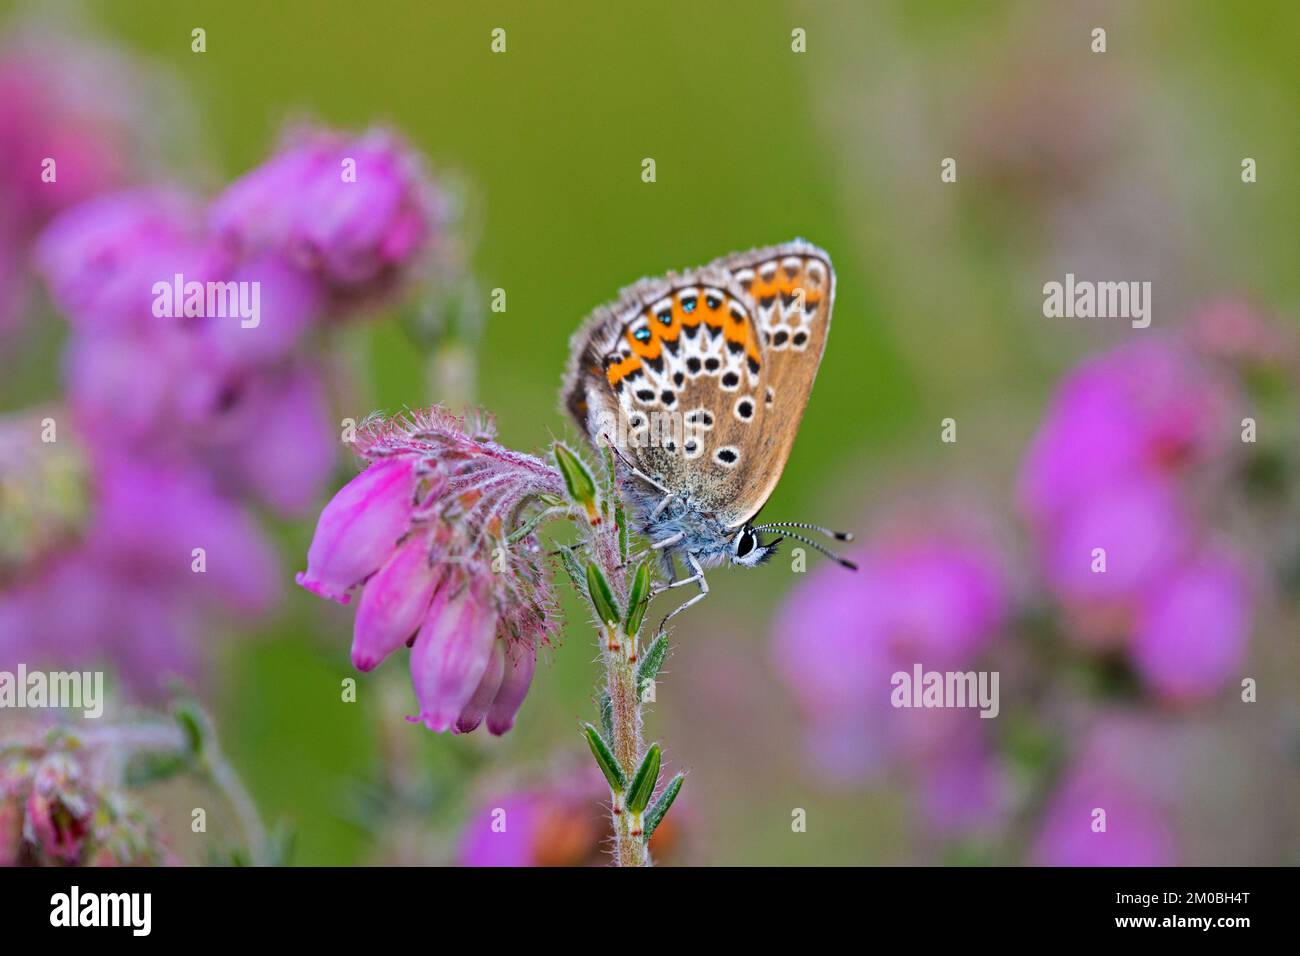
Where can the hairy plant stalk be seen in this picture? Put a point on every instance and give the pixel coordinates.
(619, 652)
(625, 711)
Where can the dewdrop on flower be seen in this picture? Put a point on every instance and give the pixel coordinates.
(423, 534)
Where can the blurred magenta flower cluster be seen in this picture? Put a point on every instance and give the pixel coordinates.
(73, 122)
(938, 599)
(196, 371)
(1126, 494)
(420, 533)
(1109, 491)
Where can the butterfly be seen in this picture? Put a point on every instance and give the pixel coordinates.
(698, 381)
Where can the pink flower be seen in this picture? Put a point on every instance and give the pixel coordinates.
(936, 600)
(1105, 487)
(423, 532)
(1116, 542)
(59, 808)
(359, 529)
(361, 214)
(139, 371)
(1140, 410)
(101, 259)
(129, 590)
(1192, 634)
(70, 102)
(1112, 808)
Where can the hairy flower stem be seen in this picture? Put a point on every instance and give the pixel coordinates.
(619, 652)
(620, 673)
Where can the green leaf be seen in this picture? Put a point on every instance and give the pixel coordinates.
(578, 480)
(643, 784)
(602, 598)
(652, 660)
(654, 816)
(605, 759)
(638, 599)
(571, 568)
(194, 724)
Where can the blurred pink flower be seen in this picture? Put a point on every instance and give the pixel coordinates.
(60, 808)
(202, 389)
(1107, 489)
(1145, 410)
(360, 214)
(76, 120)
(126, 592)
(420, 532)
(936, 600)
(1192, 635)
(1142, 526)
(1125, 770)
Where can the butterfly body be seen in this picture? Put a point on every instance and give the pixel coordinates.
(698, 381)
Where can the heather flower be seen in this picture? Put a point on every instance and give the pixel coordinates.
(1140, 410)
(200, 388)
(60, 808)
(1192, 634)
(93, 113)
(931, 599)
(102, 258)
(424, 533)
(1108, 488)
(1144, 530)
(1126, 769)
(124, 589)
(360, 214)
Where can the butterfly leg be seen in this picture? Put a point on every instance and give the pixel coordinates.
(668, 495)
(668, 542)
(698, 577)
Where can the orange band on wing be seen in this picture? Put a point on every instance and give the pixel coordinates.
(621, 370)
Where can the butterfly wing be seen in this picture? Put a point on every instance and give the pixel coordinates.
(672, 373)
(701, 378)
(789, 289)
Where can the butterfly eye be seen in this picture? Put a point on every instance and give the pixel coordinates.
(642, 334)
(745, 544)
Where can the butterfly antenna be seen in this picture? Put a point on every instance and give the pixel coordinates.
(837, 535)
(822, 548)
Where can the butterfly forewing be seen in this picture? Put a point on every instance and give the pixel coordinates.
(790, 290)
(698, 378)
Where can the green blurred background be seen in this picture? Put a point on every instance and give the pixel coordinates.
(1067, 160)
